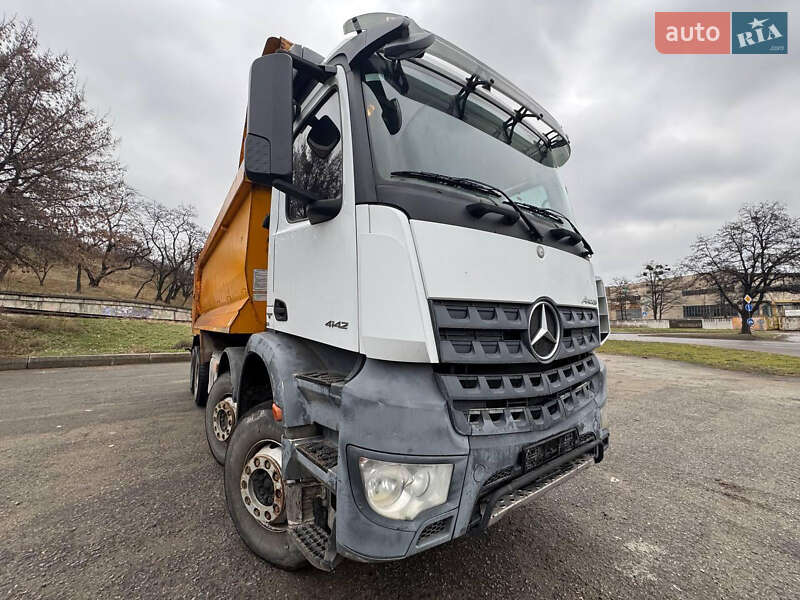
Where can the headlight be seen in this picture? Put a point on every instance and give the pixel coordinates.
(400, 491)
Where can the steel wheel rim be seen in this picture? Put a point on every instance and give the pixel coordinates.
(223, 418)
(262, 487)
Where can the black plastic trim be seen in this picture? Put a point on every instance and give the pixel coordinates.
(280, 310)
(363, 168)
(436, 204)
(368, 41)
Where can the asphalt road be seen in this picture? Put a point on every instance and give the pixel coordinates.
(107, 490)
(791, 348)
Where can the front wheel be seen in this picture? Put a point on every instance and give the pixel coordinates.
(220, 416)
(255, 488)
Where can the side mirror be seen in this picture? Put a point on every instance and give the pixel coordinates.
(392, 116)
(412, 46)
(268, 144)
(390, 109)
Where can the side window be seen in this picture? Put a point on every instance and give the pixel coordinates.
(317, 157)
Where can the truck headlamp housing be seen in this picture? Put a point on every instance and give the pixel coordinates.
(402, 491)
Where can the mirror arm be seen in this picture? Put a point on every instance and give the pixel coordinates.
(292, 190)
(320, 73)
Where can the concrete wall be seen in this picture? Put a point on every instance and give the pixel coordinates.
(653, 323)
(718, 324)
(790, 323)
(90, 307)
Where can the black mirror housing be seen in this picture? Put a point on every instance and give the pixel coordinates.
(268, 143)
(411, 46)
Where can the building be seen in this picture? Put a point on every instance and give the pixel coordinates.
(690, 299)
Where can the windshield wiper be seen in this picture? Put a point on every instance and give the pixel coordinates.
(559, 217)
(457, 182)
(478, 186)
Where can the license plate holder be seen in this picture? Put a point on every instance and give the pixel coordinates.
(537, 454)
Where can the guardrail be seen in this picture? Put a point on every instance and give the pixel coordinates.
(74, 306)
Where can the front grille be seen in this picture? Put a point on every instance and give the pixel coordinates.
(434, 529)
(490, 376)
(481, 332)
(497, 333)
(520, 401)
(515, 390)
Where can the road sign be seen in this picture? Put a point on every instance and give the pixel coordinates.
(748, 307)
(748, 299)
(750, 322)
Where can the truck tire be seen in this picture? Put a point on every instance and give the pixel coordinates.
(199, 381)
(193, 369)
(254, 488)
(220, 416)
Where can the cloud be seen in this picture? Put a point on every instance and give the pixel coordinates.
(664, 147)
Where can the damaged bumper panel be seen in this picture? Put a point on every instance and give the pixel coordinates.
(491, 475)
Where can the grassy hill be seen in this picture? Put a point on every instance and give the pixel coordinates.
(39, 335)
(61, 280)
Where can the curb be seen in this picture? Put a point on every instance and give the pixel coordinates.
(90, 360)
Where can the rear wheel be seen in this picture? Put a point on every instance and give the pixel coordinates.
(220, 416)
(255, 488)
(193, 370)
(199, 375)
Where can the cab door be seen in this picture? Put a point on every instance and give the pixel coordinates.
(313, 271)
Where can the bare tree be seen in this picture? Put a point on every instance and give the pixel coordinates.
(173, 240)
(52, 147)
(182, 282)
(622, 296)
(662, 286)
(748, 256)
(106, 234)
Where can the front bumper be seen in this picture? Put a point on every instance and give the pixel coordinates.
(525, 488)
(408, 421)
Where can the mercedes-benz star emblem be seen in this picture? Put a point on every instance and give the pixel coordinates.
(544, 328)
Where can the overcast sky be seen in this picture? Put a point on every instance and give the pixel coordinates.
(664, 147)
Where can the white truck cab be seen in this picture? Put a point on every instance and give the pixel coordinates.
(432, 311)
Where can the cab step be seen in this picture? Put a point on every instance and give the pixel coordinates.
(316, 544)
(322, 453)
(320, 457)
(321, 386)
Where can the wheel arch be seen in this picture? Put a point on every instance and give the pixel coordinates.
(253, 386)
(232, 361)
(272, 360)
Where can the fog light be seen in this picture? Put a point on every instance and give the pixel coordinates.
(402, 491)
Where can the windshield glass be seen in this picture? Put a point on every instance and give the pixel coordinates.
(414, 126)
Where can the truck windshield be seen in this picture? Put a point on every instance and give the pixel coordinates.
(414, 125)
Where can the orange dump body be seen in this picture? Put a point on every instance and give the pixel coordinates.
(232, 262)
(230, 272)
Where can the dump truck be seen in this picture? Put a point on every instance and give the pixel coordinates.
(395, 317)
